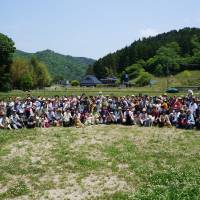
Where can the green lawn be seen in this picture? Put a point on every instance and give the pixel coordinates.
(100, 162)
(152, 91)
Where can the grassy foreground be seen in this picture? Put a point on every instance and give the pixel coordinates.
(100, 162)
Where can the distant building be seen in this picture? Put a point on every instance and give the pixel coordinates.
(90, 80)
(109, 80)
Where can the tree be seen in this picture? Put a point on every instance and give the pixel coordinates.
(40, 74)
(26, 81)
(166, 61)
(196, 50)
(58, 78)
(19, 67)
(143, 79)
(90, 70)
(134, 70)
(6, 52)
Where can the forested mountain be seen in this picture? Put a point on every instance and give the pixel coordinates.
(59, 65)
(165, 53)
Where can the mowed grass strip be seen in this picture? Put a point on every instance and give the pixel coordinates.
(100, 162)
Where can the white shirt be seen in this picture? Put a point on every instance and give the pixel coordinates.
(193, 107)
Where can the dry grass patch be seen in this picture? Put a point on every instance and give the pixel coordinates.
(100, 162)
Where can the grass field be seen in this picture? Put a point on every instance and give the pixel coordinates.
(78, 91)
(152, 91)
(100, 162)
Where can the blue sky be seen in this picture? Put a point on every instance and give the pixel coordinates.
(91, 28)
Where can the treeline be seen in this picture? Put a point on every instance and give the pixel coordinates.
(167, 53)
(20, 73)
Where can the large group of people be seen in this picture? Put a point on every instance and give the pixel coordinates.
(80, 111)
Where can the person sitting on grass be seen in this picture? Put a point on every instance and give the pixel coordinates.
(182, 119)
(58, 117)
(96, 116)
(145, 119)
(111, 118)
(77, 121)
(128, 117)
(163, 120)
(5, 122)
(50, 115)
(104, 115)
(173, 116)
(2, 115)
(31, 122)
(16, 122)
(89, 119)
(67, 118)
(155, 114)
(118, 115)
(45, 121)
(190, 120)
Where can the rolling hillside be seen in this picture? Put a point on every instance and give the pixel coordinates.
(60, 65)
(153, 53)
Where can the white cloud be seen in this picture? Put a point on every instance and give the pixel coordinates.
(148, 32)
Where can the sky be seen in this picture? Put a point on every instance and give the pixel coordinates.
(91, 28)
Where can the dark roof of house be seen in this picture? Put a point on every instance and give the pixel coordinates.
(90, 80)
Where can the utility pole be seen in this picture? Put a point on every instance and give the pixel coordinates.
(167, 73)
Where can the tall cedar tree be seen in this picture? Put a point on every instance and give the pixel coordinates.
(6, 51)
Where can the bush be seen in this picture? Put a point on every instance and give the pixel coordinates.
(75, 83)
(143, 79)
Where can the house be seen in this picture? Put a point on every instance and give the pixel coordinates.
(109, 80)
(90, 80)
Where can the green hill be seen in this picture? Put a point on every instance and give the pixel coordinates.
(60, 65)
(174, 50)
